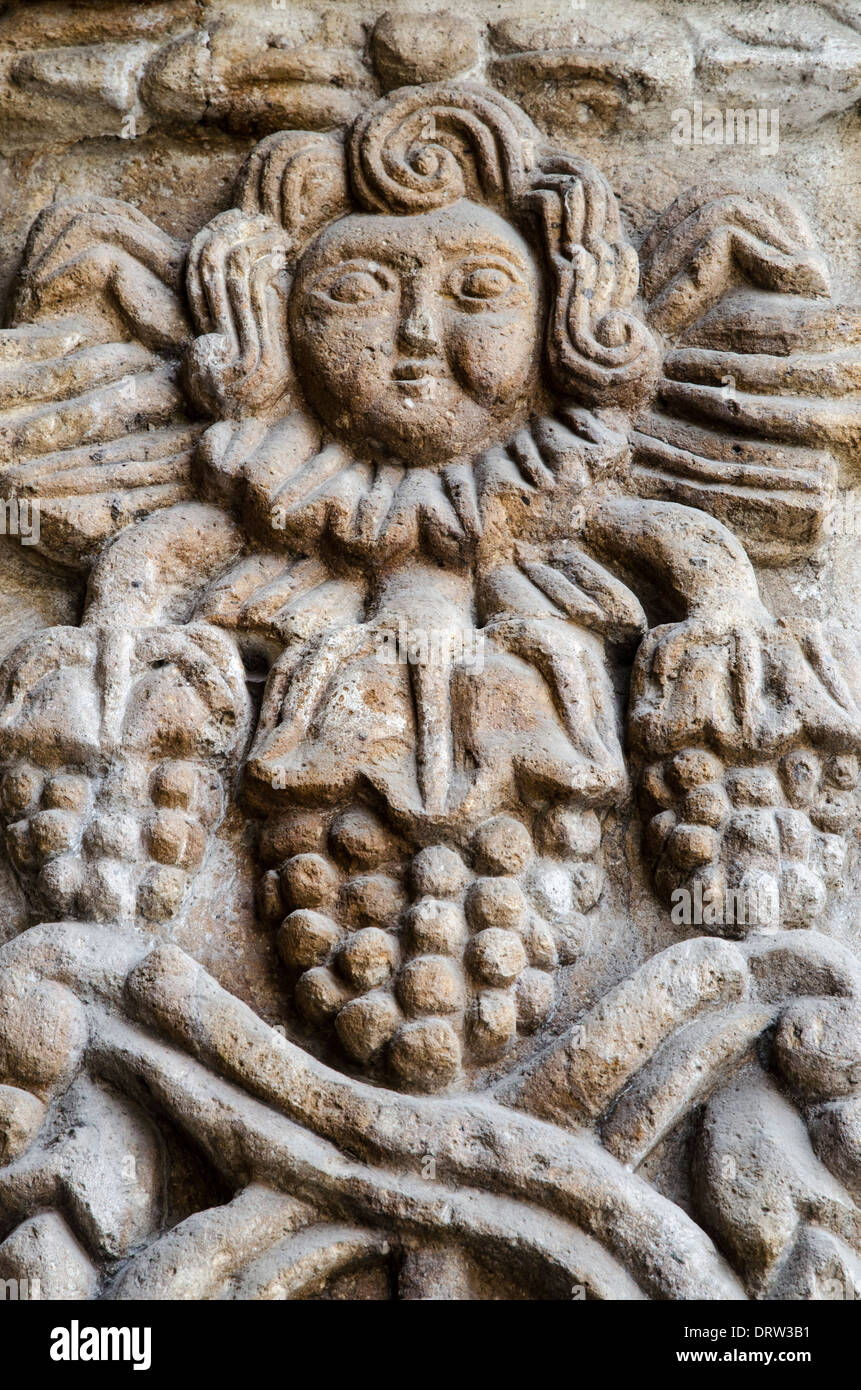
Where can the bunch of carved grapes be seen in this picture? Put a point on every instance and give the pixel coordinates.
(114, 844)
(765, 845)
(427, 965)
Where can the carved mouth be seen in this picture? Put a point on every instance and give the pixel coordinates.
(418, 372)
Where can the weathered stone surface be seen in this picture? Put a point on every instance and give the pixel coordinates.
(430, 679)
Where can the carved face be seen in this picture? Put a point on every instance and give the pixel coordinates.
(419, 335)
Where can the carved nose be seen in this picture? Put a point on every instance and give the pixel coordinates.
(418, 332)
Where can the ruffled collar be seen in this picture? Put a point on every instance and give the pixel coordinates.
(304, 492)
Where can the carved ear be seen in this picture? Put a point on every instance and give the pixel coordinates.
(237, 286)
(298, 178)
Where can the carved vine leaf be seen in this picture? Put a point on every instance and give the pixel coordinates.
(94, 420)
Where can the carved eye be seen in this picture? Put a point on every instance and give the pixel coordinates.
(480, 286)
(485, 283)
(359, 286)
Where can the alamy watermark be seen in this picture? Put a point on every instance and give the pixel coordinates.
(20, 1290)
(845, 517)
(77, 1343)
(20, 516)
(714, 125)
(442, 647)
(753, 905)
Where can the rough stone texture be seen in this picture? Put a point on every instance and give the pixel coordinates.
(446, 573)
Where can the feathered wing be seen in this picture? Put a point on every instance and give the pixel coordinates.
(93, 419)
(760, 392)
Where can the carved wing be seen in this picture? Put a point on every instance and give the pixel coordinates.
(93, 419)
(759, 394)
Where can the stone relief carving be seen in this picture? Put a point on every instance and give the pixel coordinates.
(419, 523)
